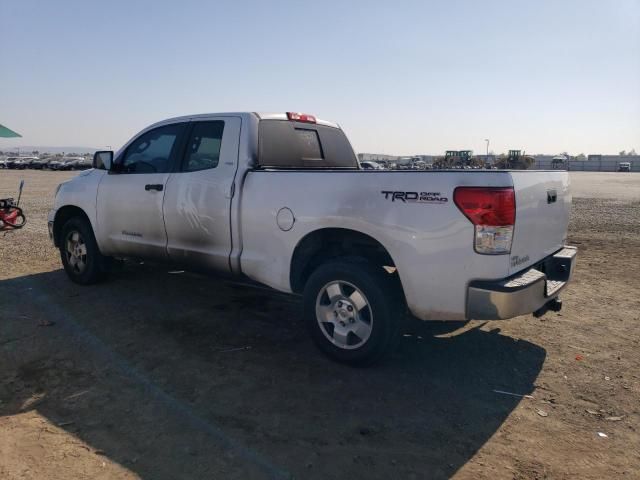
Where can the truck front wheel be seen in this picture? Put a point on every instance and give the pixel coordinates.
(81, 258)
(353, 312)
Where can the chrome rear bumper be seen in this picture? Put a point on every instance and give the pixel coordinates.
(524, 293)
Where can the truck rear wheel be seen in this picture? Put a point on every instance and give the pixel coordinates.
(81, 258)
(353, 312)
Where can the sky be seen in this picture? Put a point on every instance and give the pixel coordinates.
(401, 77)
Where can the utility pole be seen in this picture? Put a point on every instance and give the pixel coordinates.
(487, 159)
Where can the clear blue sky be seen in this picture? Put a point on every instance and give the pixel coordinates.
(401, 77)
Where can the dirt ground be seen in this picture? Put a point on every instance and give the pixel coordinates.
(159, 375)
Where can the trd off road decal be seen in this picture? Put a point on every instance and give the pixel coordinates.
(415, 197)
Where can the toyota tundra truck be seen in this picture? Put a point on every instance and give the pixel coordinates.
(280, 199)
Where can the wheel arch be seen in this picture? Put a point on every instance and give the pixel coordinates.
(62, 216)
(324, 244)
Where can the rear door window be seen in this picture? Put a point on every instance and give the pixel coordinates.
(203, 146)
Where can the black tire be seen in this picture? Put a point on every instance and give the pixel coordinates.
(382, 295)
(95, 266)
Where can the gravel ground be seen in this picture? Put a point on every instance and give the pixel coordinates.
(621, 186)
(609, 217)
(158, 375)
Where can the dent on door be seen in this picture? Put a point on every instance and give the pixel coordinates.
(197, 207)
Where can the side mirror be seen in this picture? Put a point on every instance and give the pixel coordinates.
(103, 160)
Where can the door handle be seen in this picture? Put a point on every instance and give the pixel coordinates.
(153, 186)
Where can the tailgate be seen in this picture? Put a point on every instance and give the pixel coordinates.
(543, 203)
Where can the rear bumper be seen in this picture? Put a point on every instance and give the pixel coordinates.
(524, 293)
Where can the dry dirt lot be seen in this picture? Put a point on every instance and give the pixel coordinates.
(162, 376)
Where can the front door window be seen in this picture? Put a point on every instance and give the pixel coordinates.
(152, 152)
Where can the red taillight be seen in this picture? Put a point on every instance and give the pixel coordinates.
(486, 205)
(301, 117)
(493, 214)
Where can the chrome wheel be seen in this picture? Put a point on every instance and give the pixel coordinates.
(344, 314)
(76, 251)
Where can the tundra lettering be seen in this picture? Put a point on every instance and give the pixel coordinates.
(516, 260)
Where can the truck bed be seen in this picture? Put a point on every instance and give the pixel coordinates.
(412, 214)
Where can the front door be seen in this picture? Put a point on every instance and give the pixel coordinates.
(129, 203)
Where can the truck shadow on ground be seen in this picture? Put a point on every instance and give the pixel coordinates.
(182, 376)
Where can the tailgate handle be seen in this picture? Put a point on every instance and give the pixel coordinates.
(552, 196)
(153, 186)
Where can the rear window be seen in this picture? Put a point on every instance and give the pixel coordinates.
(287, 144)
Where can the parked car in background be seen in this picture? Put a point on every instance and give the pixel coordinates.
(10, 162)
(3, 162)
(40, 163)
(421, 165)
(55, 164)
(369, 165)
(624, 167)
(84, 164)
(70, 163)
(20, 163)
(77, 163)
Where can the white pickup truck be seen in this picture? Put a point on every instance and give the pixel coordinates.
(280, 199)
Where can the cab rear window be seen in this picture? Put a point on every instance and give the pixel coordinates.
(287, 144)
(309, 144)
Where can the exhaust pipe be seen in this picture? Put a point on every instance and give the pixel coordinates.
(555, 305)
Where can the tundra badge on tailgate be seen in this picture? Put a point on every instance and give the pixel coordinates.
(517, 260)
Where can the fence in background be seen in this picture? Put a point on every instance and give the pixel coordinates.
(595, 163)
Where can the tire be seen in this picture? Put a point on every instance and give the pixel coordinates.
(81, 258)
(353, 311)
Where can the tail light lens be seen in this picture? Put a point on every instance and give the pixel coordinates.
(493, 213)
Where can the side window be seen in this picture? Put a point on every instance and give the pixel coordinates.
(203, 146)
(152, 152)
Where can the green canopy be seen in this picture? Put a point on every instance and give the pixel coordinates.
(6, 133)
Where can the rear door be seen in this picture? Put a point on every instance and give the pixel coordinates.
(129, 201)
(543, 204)
(197, 202)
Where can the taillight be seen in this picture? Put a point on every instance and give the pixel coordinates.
(493, 213)
(301, 117)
